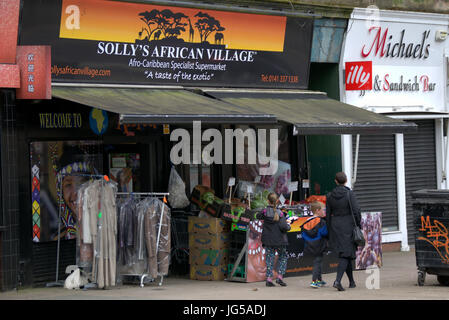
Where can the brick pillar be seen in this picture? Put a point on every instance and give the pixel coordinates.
(9, 192)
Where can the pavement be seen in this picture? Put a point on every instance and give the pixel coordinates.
(395, 280)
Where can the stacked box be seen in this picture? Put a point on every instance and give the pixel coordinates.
(209, 240)
(208, 272)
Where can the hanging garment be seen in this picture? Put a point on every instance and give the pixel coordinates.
(101, 212)
(131, 249)
(158, 238)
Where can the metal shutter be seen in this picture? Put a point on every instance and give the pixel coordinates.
(420, 166)
(44, 260)
(375, 186)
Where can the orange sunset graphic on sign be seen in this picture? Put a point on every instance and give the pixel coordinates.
(130, 22)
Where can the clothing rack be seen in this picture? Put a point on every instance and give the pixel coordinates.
(154, 195)
(60, 283)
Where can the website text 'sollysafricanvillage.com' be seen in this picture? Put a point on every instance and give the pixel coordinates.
(86, 71)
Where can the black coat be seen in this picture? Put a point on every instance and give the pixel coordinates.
(274, 233)
(340, 221)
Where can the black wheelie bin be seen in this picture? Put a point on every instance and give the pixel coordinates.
(431, 211)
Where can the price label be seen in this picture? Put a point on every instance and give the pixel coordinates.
(305, 184)
(249, 188)
(282, 199)
(231, 182)
(293, 186)
(257, 179)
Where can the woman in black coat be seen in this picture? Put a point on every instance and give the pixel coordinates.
(341, 225)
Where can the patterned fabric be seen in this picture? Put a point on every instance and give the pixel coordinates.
(36, 203)
(67, 218)
(281, 263)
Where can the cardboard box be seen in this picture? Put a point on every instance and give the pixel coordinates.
(208, 273)
(208, 257)
(214, 209)
(209, 241)
(208, 225)
(231, 214)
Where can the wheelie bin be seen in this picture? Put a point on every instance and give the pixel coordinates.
(431, 212)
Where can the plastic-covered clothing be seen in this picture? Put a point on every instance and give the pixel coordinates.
(139, 221)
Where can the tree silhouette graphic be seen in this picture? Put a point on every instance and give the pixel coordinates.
(166, 22)
(206, 25)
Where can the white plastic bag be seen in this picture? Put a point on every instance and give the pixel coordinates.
(177, 191)
(75, 280)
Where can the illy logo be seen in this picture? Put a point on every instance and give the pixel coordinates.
(359, 75)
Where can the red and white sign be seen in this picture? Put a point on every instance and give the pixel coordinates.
(35, 72)
(359, 75)
(404, 60)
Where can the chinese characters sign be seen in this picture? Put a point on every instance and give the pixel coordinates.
(35, 77)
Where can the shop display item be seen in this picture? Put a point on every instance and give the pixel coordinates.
(177, 191)
(207, 225)
(209, 241)
(370, 255)
(144, 236)
(202, 195)
(208, 273)
(97, 232)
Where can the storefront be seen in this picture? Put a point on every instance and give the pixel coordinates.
(126, 75)
(395, 64)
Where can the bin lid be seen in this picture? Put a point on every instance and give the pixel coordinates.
(432, 194)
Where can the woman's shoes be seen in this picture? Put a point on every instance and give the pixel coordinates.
(352, 284)
(338, 286)
(280, 282)
(269, 284)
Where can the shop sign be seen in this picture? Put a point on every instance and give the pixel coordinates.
(35, 77)
(134, 43)
(382, 46)
(359, 75)
(395, 61)
(98, 121)
(53, 120)
(9, 23)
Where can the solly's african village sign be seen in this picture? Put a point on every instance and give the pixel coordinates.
(119, 42)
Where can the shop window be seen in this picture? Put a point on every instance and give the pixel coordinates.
(124, 168)
(58, 168)
(249, 173)
(199, 174)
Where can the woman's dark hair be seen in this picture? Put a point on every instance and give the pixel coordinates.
(341, 178)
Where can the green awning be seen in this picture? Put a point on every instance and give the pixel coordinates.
(143, 105)
(313, 112)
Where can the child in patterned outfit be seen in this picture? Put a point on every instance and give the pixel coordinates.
(274, 239)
